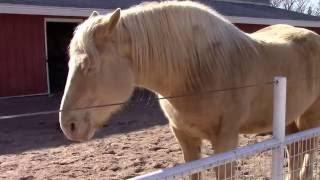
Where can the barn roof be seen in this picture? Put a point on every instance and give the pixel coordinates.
(257, 11)
(253, 11)
(255, 8)
(265, 2)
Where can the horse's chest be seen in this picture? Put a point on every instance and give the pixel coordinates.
(191, 122)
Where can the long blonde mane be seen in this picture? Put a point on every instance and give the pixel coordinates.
(180, 39)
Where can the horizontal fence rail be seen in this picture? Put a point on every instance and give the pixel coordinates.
(264, 160)
(243, 153)
(209, 163)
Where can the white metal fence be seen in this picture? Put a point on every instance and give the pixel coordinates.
(294, 157)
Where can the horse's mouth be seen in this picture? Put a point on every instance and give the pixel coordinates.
(82, 138)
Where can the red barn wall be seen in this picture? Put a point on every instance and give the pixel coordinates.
(317, 30)
(22, 55)
(250, 28)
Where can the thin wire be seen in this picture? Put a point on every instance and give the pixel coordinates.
(303, 79)
(123, 103)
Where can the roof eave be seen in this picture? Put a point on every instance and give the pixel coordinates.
(85, 12)
(48, 10)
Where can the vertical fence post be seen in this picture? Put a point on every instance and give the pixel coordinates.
(279, 117)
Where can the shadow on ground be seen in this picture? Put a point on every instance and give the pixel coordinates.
(28, 133)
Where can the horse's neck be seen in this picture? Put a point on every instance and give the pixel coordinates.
(171, 83)
(144, 77)
(168, 77)
(154, 80)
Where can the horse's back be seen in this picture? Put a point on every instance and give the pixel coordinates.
(282, 33)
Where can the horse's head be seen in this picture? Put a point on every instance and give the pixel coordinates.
(98, 75)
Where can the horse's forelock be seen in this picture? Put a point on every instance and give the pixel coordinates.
(83, 40)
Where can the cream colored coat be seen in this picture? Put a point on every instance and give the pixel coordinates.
(176, 48)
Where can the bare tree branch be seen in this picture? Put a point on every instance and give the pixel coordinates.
(316, 12)
(310, 11)
(301, 5)
(276, 3)
(289, 4)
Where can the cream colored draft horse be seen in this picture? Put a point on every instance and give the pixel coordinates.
(175, 48)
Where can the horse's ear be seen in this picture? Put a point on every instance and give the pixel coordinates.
(108, 24)
(114, 19)
(93, 14)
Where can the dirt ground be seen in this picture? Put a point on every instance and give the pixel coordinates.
(136, 141)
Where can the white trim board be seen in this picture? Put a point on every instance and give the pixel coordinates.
(46, 20)
(266, 21)
(64, 20)
(6, 8)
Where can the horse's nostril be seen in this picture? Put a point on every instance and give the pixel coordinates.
(72, 127)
